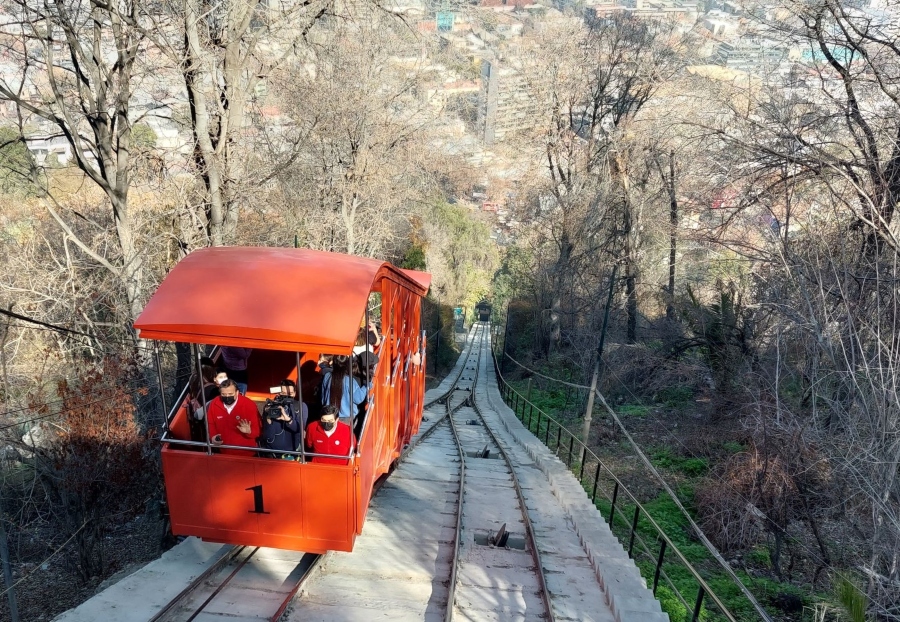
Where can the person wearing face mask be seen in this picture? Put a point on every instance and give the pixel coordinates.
(329, 436)
(233, 420)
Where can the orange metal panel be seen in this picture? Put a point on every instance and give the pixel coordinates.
(273, 298)
(260, 501)
(329, 505)
(180, 427)
(365, 477)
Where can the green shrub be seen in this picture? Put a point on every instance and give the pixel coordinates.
(759, 556)
(664, 457)
(671, 605)
(694, 466)
(851, 598)
(675, 396)
(633, 410)
(733, 447)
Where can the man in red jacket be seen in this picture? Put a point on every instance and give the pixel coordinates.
(329, 436)
(233, 420)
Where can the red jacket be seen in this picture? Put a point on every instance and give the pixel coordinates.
(338, 444)
(225, 423)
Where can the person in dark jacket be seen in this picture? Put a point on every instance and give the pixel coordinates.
(281, 425)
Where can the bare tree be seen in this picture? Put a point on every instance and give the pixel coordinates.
(228, 50)
(78, 67)
(363, 169)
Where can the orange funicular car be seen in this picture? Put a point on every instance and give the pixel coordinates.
(290, 306)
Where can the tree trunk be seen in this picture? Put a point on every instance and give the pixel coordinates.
(673, 236)
(560, 279)
(132, 260)
(205, 155)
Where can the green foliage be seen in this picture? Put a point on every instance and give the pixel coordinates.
(851, 598)
(143, 136)
(467, 254)
(760, 556)
(16, 164)
(723, 330)
(414, 258)
(552, 401)
(675, 396)
(665, 458)
(632, 410)
(513, 278)
(733, 447)
(670, 604)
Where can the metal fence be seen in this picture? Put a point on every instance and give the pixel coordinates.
(648, 544)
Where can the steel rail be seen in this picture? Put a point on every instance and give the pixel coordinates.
(197, 581)
(309, 560)
(454, 562)
(313, 560)
(529, 528)
(444, 396)
(222, 585)
(467, 351)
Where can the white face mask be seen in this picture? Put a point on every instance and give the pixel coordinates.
(220, 380)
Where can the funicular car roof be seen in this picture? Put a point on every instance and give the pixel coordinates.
(271, 298)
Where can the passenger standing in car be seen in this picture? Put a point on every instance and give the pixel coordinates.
(203, 390)
(233, 420)
(341, 390)
(281, 427)
(234, 363)
(329, 436)
(289, 389)
(361, 338)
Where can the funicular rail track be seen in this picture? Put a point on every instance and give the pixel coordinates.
(223, 590)
(477, 595)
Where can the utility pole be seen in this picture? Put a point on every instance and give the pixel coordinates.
(589, 409)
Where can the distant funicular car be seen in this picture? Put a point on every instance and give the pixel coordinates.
(483, 309)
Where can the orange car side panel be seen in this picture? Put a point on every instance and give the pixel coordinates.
(180, 427)
(261, 502)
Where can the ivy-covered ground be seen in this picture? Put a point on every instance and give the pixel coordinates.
(676, 456)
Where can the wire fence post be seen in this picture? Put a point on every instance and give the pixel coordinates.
(699, 604)
(7, 571)
(612, 507)
(505, 340)
(659, 563)
(634, 522)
